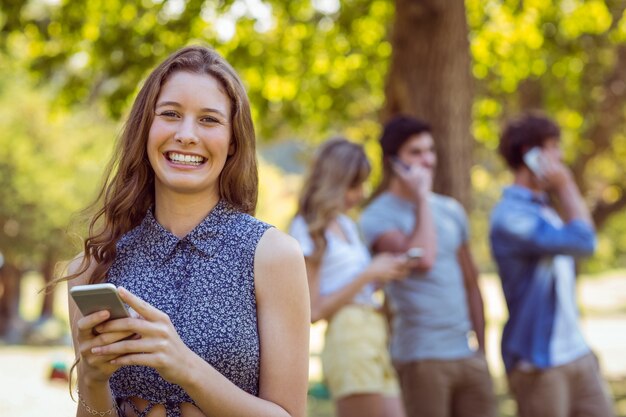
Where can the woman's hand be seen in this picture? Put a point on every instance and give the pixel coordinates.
(96, 367)
(156, 345)
(387, 267)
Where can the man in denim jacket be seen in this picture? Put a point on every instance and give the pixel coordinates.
(551, 369)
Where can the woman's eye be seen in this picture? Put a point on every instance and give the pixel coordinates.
(209, 119)
(168, 113)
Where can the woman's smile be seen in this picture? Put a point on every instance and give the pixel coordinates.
(184, 159)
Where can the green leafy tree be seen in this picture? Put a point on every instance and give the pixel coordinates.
(312, 68)
(298, 59)
(49, 162)
(315, 68)
(567, 58)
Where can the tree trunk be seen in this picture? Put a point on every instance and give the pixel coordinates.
(47, 271)
(10, 277)
(429, 78)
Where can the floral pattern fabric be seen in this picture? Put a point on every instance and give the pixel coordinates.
(205, 284)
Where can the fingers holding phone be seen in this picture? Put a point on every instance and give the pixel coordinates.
(415, 177)
(158, 344)
(546, 167)
(387, 267)
(99, 304)
(95, 298)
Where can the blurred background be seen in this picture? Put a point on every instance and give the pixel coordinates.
(69, 71)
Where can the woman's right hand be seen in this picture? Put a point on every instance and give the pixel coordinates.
(387, 267)
(97, 368)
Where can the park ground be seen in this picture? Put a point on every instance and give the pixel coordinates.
(26, 390)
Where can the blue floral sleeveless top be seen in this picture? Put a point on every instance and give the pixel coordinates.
(205, 284)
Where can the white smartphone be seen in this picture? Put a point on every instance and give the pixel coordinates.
(532, 159)
(413, 254)
(98, 297)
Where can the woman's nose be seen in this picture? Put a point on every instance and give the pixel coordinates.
(186, 135)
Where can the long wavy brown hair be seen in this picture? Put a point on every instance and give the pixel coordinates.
(338, 166)
(128, 189)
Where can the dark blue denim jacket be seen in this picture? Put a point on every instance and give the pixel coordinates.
(523, 243)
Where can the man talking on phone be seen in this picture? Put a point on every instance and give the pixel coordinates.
(551, 369)
(436, 310)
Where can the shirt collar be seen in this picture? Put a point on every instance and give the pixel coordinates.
(517, 192)
(160, 242)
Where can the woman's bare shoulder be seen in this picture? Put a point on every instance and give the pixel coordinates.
(276, 247)
(278, 262)
(75, 267)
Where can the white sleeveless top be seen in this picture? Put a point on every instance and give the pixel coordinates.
(342, 261)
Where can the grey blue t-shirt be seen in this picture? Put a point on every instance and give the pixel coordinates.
(430, 312)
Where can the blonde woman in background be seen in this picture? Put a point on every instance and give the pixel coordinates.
(342, 281)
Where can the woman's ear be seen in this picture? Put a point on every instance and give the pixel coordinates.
(231, 148)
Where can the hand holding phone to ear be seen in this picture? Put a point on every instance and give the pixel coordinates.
(547, 167)
(417, 179)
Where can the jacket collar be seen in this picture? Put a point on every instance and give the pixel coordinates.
(517, 192)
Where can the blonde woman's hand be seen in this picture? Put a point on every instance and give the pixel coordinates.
(387, 267)
(157, 344)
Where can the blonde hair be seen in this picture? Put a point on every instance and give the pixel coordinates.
(338, 166)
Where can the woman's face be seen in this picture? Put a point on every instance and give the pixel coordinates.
(354, 196)
(190, 136)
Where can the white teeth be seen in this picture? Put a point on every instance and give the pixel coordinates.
(185, 159)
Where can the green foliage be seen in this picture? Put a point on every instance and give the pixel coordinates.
(317, 68)
(567, 58)
(298, 62)
(49, 162)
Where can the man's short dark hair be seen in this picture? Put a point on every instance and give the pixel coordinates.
(398, 130)
(524, 133)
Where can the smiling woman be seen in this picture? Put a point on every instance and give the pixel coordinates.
(218, 287)
(190, 136)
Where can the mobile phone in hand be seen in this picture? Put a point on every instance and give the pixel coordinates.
(399, 164)
(413, 254)
(532, 159)
(97, 297)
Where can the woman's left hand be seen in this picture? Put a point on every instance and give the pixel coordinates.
(156, 345)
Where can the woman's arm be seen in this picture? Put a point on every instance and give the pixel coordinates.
(284, 322)
(383, 268)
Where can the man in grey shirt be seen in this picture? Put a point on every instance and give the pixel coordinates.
(436, 310)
